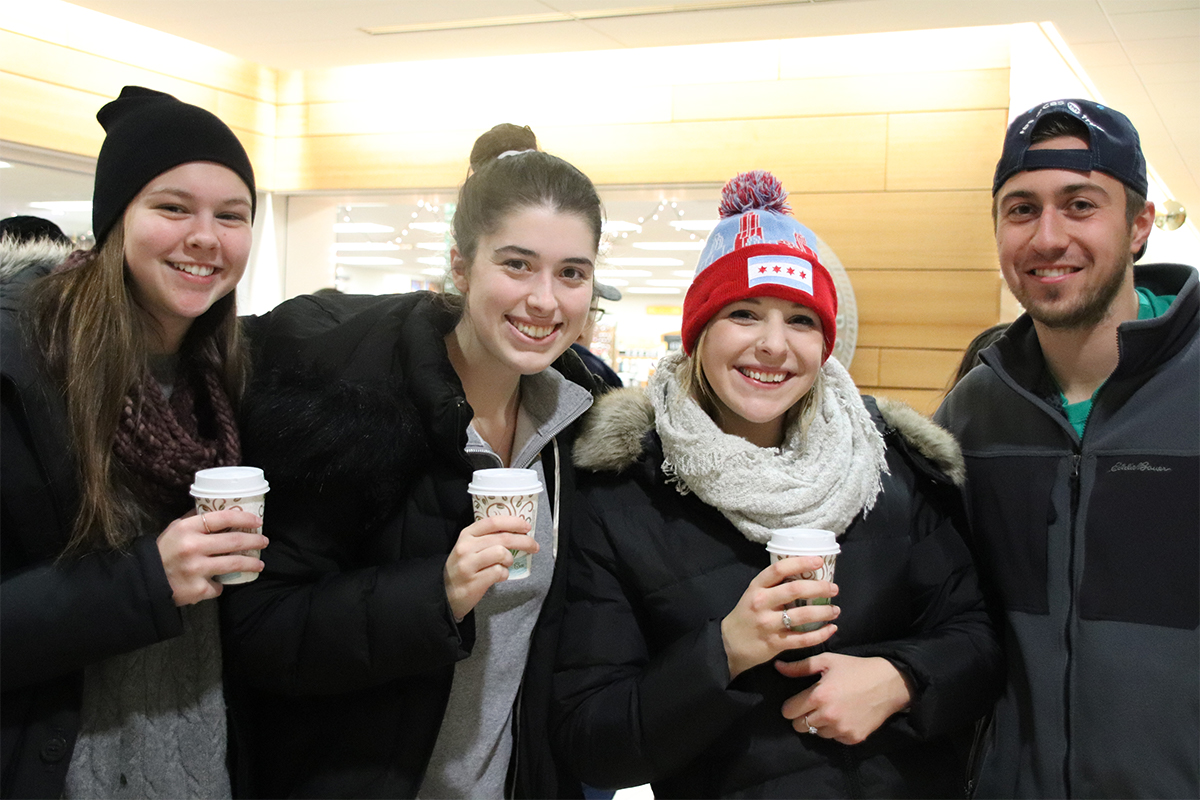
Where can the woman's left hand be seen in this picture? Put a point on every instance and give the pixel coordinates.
(852, 698)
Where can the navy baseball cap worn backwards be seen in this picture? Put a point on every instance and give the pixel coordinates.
(1113, 145)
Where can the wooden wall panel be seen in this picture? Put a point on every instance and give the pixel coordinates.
(51, 116)
(901, 230)
(941, 150)
(928, 335)
(839, 154)
(917, 369)
(843, 94)
(916, 297)
(106, 38)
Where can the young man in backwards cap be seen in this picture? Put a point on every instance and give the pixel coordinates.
(1082, 441)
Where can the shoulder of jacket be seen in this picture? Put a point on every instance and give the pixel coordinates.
(930, 440)
(24, 260)
(610, 438)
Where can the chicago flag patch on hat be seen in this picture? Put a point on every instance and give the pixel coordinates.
(783, 270)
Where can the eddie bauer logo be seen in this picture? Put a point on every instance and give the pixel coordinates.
(1144, 466)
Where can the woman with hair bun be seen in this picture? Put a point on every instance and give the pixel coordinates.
(383, 652)
(122, 366)
(688, 660)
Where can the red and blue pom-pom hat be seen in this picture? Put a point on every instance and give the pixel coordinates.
(758, 249)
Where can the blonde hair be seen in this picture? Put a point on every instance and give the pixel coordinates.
(93, 338)
(691, 377)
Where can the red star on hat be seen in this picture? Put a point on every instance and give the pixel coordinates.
(803, 275)
(777, 268)
(791, 271)
(761, 270)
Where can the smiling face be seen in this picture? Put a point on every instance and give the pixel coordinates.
(760, 356)
(527, 291)
(187, 240)
(1066, 250)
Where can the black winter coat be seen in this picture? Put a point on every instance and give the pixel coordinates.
(56, 616)
(642, 688)
(345, 645)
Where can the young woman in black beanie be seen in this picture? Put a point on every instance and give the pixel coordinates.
(385, 651)
(121, 369)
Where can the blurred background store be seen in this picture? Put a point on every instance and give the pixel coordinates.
(882, 117)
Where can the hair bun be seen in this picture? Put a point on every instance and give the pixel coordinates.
(748, 191)
(501, 139)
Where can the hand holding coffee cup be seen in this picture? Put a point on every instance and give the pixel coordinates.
(809, 543)
(222, 489)
(499, 545)
(755, 632)
(192, 557)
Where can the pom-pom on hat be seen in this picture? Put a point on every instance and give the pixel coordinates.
(758, 249)
(148, 133)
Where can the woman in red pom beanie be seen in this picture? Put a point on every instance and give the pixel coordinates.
(688, 659)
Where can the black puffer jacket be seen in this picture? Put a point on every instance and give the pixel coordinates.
(56, 616)
(345, 646)
(642, 689)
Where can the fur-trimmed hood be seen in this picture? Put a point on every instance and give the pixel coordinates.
(613, 434)
(21, 260)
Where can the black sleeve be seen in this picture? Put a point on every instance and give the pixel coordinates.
(321, 619)
(622, 717)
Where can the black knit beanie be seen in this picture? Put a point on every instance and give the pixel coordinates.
(148, 133)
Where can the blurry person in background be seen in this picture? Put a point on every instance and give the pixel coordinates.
(582, 345)
(1082, 443)
(970, 357)
(121, 371)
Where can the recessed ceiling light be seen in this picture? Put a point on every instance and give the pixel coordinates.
(361, 227)
(436, 260)
(650, 290)
(694, 246)
(644, 261)
(623, 273)
(5, 165)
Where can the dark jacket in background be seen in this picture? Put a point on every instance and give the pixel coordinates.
(56, 616)
(345, 645)
(1094, 548)
(642, 685)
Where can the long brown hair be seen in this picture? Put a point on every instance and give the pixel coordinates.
(93, 338)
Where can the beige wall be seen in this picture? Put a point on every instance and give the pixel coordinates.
(886, 141)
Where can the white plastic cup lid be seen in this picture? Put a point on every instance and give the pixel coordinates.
(803, 542)
(504, 482)
(230, 482)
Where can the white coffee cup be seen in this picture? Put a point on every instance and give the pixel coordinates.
(497, 492)
(791, 542)
(224, 488)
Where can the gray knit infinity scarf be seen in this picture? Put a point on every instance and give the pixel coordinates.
(819, 480)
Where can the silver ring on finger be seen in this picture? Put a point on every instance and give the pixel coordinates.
(811, 729)
(787, 621)
(204, 522)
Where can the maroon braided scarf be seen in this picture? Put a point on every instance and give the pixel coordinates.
(159, 441)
